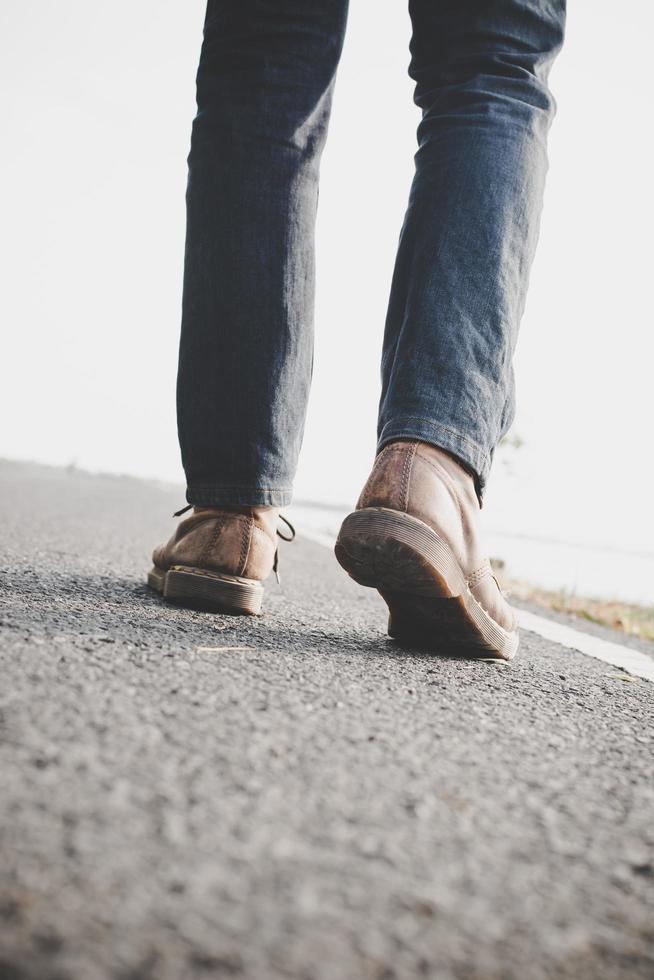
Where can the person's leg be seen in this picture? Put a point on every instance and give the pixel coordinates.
(264, 90)
(468, 238)
(456, 300)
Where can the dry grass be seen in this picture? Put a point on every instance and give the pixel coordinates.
(628, 617)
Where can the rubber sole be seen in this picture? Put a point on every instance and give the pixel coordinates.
(210, 591)
(423, 585)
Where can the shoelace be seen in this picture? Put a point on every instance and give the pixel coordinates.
(183, 510)
(289, 526)
(284, 538)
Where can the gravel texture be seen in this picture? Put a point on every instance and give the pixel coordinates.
(186, 796)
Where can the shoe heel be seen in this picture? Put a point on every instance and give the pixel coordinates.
(210, 591)
(419, 578)
(391, 551)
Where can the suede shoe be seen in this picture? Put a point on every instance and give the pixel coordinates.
(218, 558)
(414, 537)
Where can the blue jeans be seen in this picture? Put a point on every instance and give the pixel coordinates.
(264, 91)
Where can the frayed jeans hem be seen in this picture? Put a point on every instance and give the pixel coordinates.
(215, 496)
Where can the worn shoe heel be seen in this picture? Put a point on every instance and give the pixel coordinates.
(418, 576)
(206, 590)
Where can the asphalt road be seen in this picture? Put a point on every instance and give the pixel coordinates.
(191, 796)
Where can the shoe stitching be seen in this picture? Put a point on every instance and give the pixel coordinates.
(406, 476)
(212, 539)
(245, 544)
(366, 493)
(209, 573)
(479, 573)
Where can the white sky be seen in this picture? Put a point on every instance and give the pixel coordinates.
(95, 121)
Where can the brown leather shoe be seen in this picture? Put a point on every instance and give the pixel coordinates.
(217, 559)
(414, 536)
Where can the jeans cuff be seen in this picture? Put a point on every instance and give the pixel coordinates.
(215, 496)
(443, 437)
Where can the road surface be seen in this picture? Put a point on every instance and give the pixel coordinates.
(191, 796)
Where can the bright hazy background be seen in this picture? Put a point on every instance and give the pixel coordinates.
(97, 103)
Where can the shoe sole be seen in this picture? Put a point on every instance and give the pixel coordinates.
(422, 583)
(208, 591)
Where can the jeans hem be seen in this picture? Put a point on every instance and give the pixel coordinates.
(443, 437)
(215, 496)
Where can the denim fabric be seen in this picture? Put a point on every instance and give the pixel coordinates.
(264, 91)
